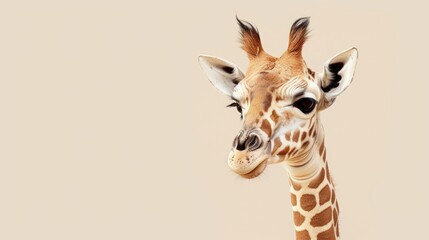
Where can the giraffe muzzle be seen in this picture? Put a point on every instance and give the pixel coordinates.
(248, 156)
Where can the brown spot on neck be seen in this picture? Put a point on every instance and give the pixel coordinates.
(327, 235)
(308, 202)
(298, 218)
(324, 195)
(322, 218)
(302, 235)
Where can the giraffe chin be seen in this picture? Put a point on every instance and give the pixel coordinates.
(249, 164)
(256, 171)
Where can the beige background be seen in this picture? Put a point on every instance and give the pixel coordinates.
(110, 130)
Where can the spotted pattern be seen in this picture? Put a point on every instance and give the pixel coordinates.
(315, 205)
(298, 218)
(322, 218)
(303, 235)
(324, 195)
(328, 234)
(315, 208)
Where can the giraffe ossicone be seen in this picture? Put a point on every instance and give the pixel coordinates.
(279, 99)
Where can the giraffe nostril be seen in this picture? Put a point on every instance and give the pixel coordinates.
(248, 141)
(253, 142)
(238, 144)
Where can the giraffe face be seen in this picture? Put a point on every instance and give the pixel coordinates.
(279, 121)
(278, 99)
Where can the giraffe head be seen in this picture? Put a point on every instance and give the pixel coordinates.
(278, 99)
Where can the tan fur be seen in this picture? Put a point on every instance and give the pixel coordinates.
(250, 40)
(297, 39)
(260, 98)
(288, 65)
(251, 44)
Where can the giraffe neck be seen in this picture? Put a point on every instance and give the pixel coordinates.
(314, 204)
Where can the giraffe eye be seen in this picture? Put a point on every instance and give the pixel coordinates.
(236, 105)
(306, 105)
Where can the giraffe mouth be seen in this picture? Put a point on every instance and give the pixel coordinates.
(256, 171)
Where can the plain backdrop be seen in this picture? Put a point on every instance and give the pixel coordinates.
(110, 130)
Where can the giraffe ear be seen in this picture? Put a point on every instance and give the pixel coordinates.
(338, 74)
(222, 74)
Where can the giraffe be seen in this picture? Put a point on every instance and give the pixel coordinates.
(279, 100)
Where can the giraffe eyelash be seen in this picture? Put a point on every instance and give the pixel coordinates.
(239, 109)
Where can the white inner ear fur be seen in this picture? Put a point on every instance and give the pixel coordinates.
(223, 74)
(349, 59)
